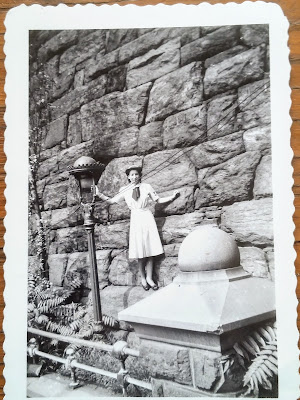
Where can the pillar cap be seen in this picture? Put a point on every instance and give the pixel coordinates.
(208, 248)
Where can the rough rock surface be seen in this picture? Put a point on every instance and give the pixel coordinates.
(209, 45)
(224, 55)
(234, 72)
(73, 100)
(176, 91)
(185, 128)
(205, 369)
(178, 170)
(221, 116)
(154, 64)
(182, 204)
(216, 151)
(229, 182)
(253, 260)
(57, 264)
(254, 35)
(114, 112)
(263, 178)
(112, 236)
(150, 137)
(166, 361)
(175, 228)
(123, 272)
(250, 221)
(258, 138)
(254, 104)
(89, 46)
(56, 132)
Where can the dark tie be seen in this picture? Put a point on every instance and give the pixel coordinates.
(136, 193)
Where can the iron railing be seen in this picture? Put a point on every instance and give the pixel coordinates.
(119, 350)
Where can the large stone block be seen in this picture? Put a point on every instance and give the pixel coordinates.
(122, 271)
(57, 44)
(253, 260)
(206, 369)
(254, 105)
(56, 133)
(258, 138)
(254, 35)
(57, 264)
(80, 262)
(68, 240)
(251, 222)
(221, 116)
(74, 99)
(57, 84)
(168, 169)
(209, 45)
(175, 228)
(154, 39)
(166, 361)
(181, 205)
(47, 167)
(176, 91)
(116, 79)
(118, 37)
(154, 64)
(92, 44)
(118, 144)
(224, 55)
(101, 64)
(216, 151)
(263, 178)
(74, 135)
(114, 177)
(234, 72)
(64, 217)
(55, 195)
(115, 112)
(229, 182)
(185, 128)
(150, 137)
(112, 236)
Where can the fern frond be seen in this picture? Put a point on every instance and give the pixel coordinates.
(263, 369)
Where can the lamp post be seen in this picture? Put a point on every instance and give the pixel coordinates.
(87, 173)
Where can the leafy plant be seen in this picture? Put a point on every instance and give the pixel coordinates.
(258, 352)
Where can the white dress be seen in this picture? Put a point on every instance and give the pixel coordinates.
(144, 240)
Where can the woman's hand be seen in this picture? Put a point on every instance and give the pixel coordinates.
(176, 194)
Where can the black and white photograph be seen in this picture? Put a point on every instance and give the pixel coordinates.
(151, 268)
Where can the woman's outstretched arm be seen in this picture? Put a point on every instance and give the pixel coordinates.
(162, 200)
(109, 200)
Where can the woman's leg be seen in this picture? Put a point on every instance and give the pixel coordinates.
(149, 270)
(141, 264)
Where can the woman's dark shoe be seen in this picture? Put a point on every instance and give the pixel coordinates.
(146, 287)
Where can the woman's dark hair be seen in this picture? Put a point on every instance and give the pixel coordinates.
(134, 169)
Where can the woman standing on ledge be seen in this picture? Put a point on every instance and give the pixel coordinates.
(144, 240)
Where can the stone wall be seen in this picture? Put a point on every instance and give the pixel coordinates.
(197, 97)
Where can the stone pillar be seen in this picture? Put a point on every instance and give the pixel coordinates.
(188, 328)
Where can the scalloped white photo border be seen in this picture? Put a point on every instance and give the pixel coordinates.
(24, 18)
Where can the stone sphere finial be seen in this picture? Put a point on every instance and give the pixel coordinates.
(208, 248)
